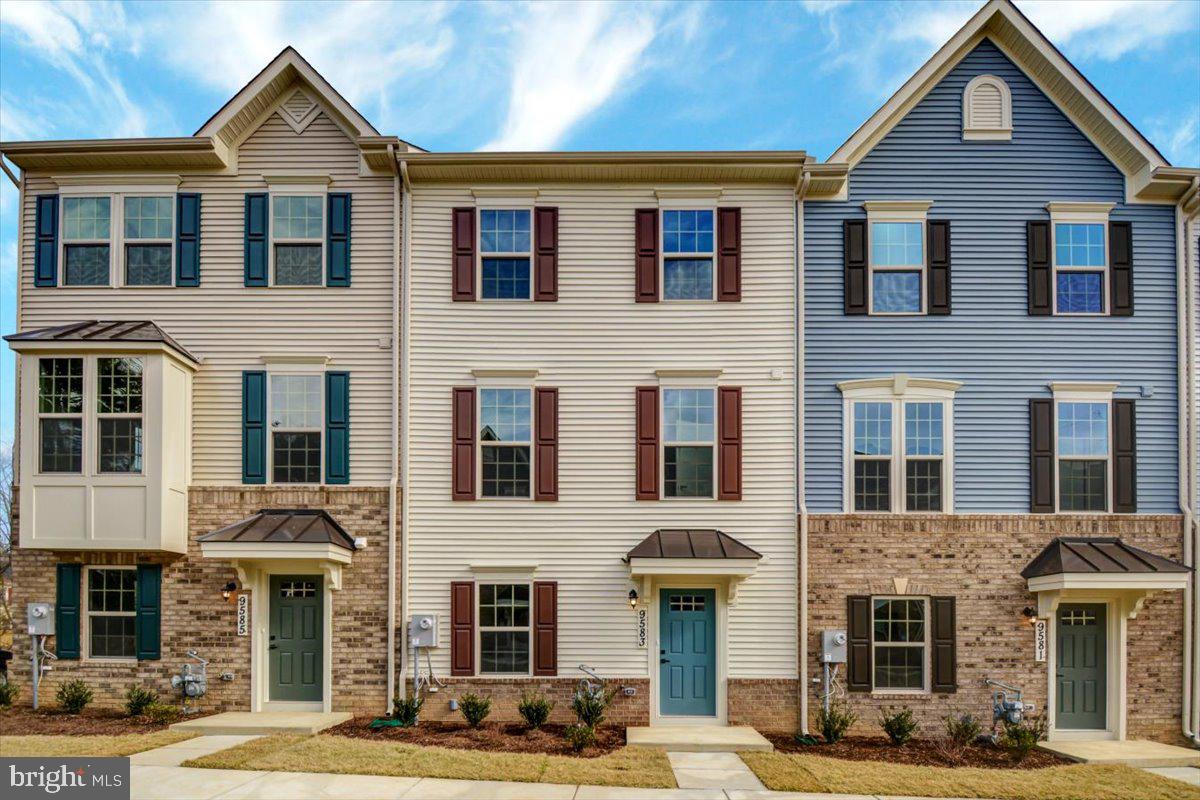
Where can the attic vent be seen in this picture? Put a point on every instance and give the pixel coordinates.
(987, 109)
(298, 110)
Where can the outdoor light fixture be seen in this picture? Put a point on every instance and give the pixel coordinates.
(1029, 614)
(229, 589)
(633, 597)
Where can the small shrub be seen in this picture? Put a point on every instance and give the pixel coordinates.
(834, 723)
(406, 709)
(535, 709)
(8, 694)
(1019, 738)
(962, 730)
(73, 696)
(580, 737)
(162, 713)
(137, 700)
(589, 707)
(899, 725)
(475, 708)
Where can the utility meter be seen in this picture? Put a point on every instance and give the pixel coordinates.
(833, 647)
(41, 619)
(423, 630)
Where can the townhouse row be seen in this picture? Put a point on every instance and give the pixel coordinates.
(288, 385)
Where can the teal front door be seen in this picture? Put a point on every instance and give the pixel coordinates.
(687, 671)
(1082, 666)
(297, 642)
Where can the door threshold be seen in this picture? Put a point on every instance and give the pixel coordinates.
(293, 705)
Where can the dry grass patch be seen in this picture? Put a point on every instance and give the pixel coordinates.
(804, 773)
(123, 745)
(339, 754)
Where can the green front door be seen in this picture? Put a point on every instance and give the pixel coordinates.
(297, 641)
(1082, 666)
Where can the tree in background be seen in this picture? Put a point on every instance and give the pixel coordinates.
(6, 511)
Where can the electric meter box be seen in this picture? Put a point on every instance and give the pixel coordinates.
(423, 630)
(833, 647)
(40, 617)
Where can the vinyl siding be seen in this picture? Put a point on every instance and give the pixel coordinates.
(595, 344)
(231, 327)
(1004, 357)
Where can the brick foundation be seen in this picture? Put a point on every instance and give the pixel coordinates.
(766, 704)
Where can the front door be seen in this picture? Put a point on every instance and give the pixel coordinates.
(297, 641)
(1082, 667)
(687, 672)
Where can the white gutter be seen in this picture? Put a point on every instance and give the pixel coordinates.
(802, 504)
(1186, 336)
(9, 172)
(395, 450)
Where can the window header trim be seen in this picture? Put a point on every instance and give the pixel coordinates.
(900, 384)
(897, 210)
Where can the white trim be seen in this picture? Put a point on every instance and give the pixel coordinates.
(897, 210)
(688, 202)
(926, 646)
(285, 363)
(277, 552)
(501, 384)
(738, 567)
(296, 190)
(688, 377)
(653, 586)
(901, 384)
(972, 132)
(1072, 213)
(1079, 390)
(1146, 581)
(116, 182)
(675, 197)
(85, 616)
(509, 203)
(498, 196)
(663, 443)
(1115, 669)
(505, 373)
(1095, 393)
(273, 428)
(500, 580)
(315, 182)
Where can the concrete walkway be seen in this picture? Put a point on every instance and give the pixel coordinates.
(1189, 775)
(713, 771)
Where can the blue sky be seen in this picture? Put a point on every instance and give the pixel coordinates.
(526, 76)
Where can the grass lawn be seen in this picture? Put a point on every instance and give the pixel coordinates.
(804, 773)
(123, 745)
(340, 754)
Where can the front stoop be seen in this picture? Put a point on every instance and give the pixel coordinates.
(1131, 752)
(264, 723)
(698, 738)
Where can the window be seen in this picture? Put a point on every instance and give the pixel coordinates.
(296, 403)
(506, 249)
(111, 615)
(298, 234)
(149, 231)
(1083, 455)
(897, 267)
(687, 247)
(1080, 268)
(505, 437)
(899, 643)
(689, 436)
(86, 232)
(119, 414)
(504, 628)
(60, 414)
(872, 456)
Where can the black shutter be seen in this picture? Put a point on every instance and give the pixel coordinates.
(1037, 253)
(943, 657)
(187, 240)
(1120, 269)
(1041, 456)
(254, 427)
(337, 427)
(337, 240)
(45, 253)
(1124, 456)
(66, 611)
(255, 240)
(858, 651)
(939, 267)
(148, 619)
(854, 254)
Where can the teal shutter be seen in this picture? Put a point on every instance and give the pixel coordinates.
(254, 427)
(337, 427)
(66, 611)
(45, 253)
(337, 241)
(256, 240)
(187, 240)
(149, 616)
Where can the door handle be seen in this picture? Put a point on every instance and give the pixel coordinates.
(664, 661)
(273, 647)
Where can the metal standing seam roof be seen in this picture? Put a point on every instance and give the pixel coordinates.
(104, 331)
(691, 543)
(1096, 556)
(284, 526)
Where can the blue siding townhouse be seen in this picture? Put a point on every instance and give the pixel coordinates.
(995, 483)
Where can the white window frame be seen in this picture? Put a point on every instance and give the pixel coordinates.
(99, 417)
(1100, 393)
(321, 192)
(671, 385)
(480, 255)
(973, 132)
(902, 211)
(898, 390)
(114, 230)
(123, 277)
(664, 256)
(87, 613)
(510, 386)
(480, 629)
(272, 374)
(925, 647)
(1079, 214)
(82, 416)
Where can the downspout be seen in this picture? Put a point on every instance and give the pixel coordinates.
(402, 332)
(802, 505)
(1186, 335)
(395, 450)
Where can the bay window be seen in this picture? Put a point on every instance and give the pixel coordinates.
(119, 414)
(60, 415)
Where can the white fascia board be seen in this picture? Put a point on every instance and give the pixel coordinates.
(276, 551)
(1150, 581)
(737, 567)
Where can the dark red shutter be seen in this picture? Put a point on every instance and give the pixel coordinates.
(858, 650)
(646, 254)
(1041, 456)
(1124, 456)
(463, 258)
(647, 443)
(943, 658)
(462, 628)
(546, 444)
(729, 255)
(545, 628)
(462, 470)
(545, 256)
(1120, 269)
(939, 267)
(854, 257)
(729, 435)
(1037, 253)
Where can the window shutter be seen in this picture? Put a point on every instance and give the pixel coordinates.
(255, 255)
(546, 444)
(1120, 268)
(1124, 456)
(337, 427)
(337, 241)
(545, 258)
(463, 458)
(858, 655)
(647, 443)
(854, 256)
(149, 616)
(646, 254)
(943, 658)
(187, 240)
(545, 628)
(939, 267)
(729, 255)
(45, 254)
(66, 611)
(1037, 252)
(462, 628)
(729, 463)
(462, 237)
(254, 427)
(1041, 456)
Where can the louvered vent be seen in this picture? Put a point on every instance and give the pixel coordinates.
(987, 106)
(987, 109)
(298, 110)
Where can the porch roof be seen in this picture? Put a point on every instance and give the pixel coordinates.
(1076, 555)
(691, 543)
(284, 526)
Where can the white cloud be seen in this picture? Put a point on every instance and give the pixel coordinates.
(1109, 30)
(1178, 136)
(823, 6)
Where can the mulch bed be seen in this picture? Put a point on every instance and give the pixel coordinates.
(505, 737)
(923, 752)
(24, 721)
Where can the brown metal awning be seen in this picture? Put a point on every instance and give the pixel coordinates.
(95, 331)
(690, 543)
(1097, 556)
(284, 526)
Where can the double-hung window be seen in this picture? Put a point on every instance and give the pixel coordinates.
(298, 239)
(506, 441)
(688, 254)
(1082, 428)
(900, 643)
(119, 414)
(506, 253)
(504, 628)
(1080, 267)
(87, 240)
(897, 267)
(111, 612)
(60, 415)
(689, 439)
(297, 420)
(149, 230)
